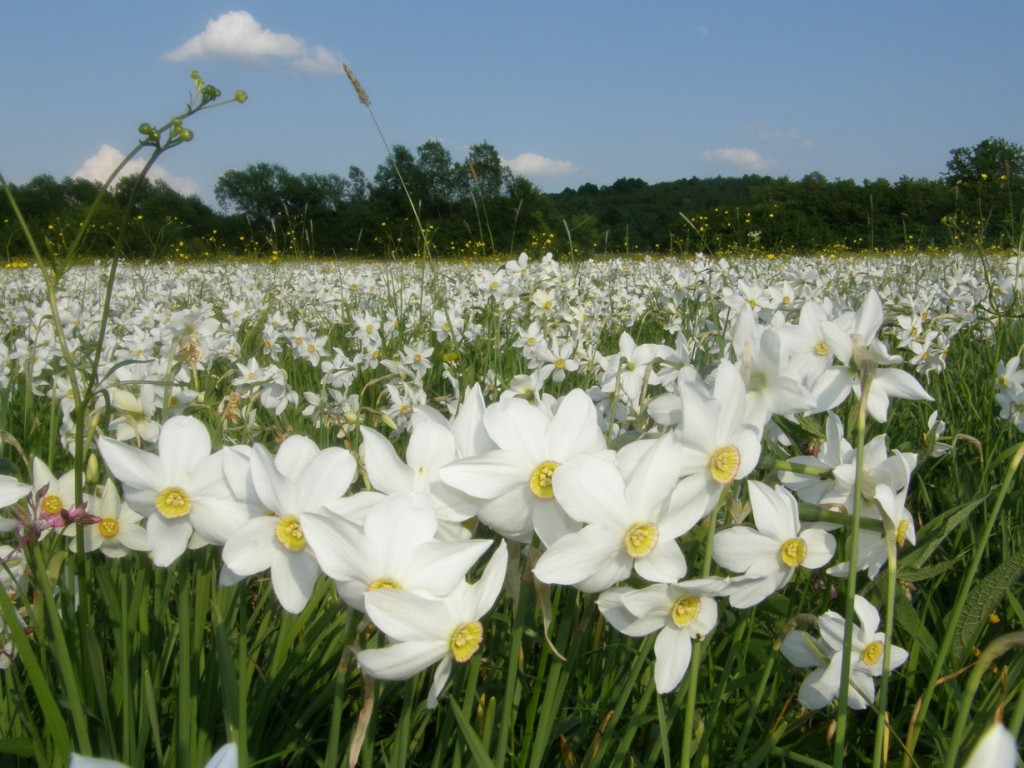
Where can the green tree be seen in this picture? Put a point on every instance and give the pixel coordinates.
(992, 158)
(436, 180)
(259, 192)
(991, 175)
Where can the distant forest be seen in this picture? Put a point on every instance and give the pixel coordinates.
(477, 207)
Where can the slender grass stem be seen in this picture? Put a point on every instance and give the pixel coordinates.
(842, 714)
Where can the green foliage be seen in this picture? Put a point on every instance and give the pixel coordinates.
(475, 206)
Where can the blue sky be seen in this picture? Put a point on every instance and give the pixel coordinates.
(568, 92)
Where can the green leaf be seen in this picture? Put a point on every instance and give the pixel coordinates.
(56, 726)
(912, 575)
(934, 532)
(476, 747)
(982, 602)
(908, 619)
(19, 747)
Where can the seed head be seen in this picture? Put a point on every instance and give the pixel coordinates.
(363, 98)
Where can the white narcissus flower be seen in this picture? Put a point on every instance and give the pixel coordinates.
(627, 371)
(514, 482)
(774, 549)
(679, 613)
(995, 749)
(825, 657)
(424, 631)
(431, 446)
(53, 495)
(11, 491)
(300, 480)
(630, 521)
(809, 353)
(118, 531)
(717, 446)
(181, 491)
(853, 339)
(225, 757)
(395, 548)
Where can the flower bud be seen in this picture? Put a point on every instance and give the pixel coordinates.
(241, 96)
(92, 469)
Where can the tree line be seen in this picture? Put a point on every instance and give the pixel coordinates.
(477, 206)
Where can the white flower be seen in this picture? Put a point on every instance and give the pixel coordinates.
(181, 491)
(631, 521)
(679, 613)
(298, 481)
(118, 530)
(852, 338)
(514, 482)
(225, 757)
(825, 657)
(12, 491)
(717, 446)
(628, 370)
(774, 550)
(995, 749)
(424, 631)
(395, 548)
(431, 446)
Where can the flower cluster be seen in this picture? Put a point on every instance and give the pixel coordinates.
(650, 448)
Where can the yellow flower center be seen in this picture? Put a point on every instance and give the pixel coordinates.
(465, 640)
(901, 532)
(725, 463)
(793, 552)
(685, 610)
(560, 362)
(821, 348)
(51, 505)
(108, 527)
(540, 480)
(872, 653)
(641, 538)
(289, 533)
(173, 503)
(383, 583)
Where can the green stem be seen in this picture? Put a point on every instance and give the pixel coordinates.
(961, 600)
(995, 649)
(881, 723)
(851, 577)
(698, 652)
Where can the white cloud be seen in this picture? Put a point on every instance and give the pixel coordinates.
(320, 62)
(791, 135)
(744, 159)
(237, 35)
(102, 164)
(532, 164)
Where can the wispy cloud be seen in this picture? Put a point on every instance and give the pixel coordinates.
(532, 164)
(102, 164)
(237, 35)
(739, 157)
(791, 135)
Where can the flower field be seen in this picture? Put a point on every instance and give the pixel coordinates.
(626, 512)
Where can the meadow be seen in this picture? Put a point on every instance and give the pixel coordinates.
(523, 511)
(267, 449)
